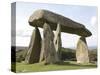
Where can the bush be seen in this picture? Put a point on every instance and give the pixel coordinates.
(68, 54)
(20, 55)
(93, 55)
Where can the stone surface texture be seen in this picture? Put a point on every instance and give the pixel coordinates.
(57, 40)
(39, 17)
(82, 55)
(34, 49)
(50, 55)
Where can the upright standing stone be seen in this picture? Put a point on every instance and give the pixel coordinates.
(50, 55)
(42, 52)
(57, 40)
(82, 55)
(34, 49)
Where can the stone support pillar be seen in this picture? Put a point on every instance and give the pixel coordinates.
(82, 55)
(50, 55)
(57, 41)
(34, 49)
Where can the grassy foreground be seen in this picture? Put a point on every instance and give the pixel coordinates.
(69, 65)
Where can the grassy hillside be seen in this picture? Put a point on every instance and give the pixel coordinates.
(67, 65)
(68, 57)
(67, 54)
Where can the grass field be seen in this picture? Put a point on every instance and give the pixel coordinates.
(69, 65)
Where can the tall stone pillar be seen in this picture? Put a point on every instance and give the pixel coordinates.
(42, 52)
(82, 55)
(57, 41)
(50, 55)
(34, 48)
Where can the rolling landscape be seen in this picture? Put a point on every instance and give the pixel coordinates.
(68, 57)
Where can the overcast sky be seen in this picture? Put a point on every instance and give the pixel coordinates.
(86, 15)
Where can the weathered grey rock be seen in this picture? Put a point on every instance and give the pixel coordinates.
(57, 40)
(39, 17)
(42, 52)
(82, 55)
(33, 54)
(50, 55)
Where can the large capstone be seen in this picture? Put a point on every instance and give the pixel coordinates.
(39, 17)
(34, 48)
(82, 55)
(57, 40)
(50, 55)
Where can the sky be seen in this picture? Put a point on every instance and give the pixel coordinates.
(86, 15)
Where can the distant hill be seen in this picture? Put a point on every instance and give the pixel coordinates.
(19, 47)
(67, 53)
(24, 47)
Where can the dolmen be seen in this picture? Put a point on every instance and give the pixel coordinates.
(48, 49)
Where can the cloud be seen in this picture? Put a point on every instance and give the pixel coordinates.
(93, 20)
(69, 40)
(27, 33)
(20, 41)
(23, 33)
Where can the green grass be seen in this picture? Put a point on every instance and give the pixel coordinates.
(69, 65)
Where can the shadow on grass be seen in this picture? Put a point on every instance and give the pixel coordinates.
(76, 64)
